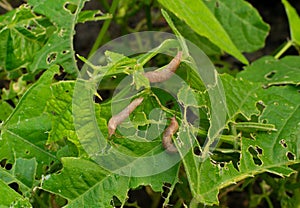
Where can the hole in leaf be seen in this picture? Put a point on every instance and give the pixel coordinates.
(260, 106)
(8, 166)
(270, 75)
(70, 7)
(64, 52)
(290, 156)
(283, 143)
(15, 187)
(254, 154)
(3, 163)
(46, 168)
(290, 194)
(197, 151)
(51, 57)
(39, 74)
(67, 91)
(27, 152)
(259, 150)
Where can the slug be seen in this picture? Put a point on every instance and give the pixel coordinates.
(117, 119)
(167, 136)
(166, 73)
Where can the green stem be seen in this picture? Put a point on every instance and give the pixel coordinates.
(105, 4)
(283, 49)
(148, 17)
(104, 28)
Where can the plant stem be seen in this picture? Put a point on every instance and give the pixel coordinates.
(104, 28)
(283, 49)
(5, 5)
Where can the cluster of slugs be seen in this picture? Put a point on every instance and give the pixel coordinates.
(153, 77)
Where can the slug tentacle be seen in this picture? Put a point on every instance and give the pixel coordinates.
(120, 117)
(166, 73)
(167, 136)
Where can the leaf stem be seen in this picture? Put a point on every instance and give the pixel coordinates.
(5, 5)
(104, 28)
(284, 49)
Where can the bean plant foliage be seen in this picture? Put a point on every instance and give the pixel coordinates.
(45, 151)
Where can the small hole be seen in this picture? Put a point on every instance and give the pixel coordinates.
(283, 143)
(67, 91)
(71, 7)
(222, 165)
(259, 150)
(197, 151)
(51, 57)
(3, 163)
(27, 152)
(254, 154)
(290, 156)
(290, 194)
(14, 186)
(270, 75)
(8, 166)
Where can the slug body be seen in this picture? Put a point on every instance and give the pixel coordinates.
(166, 73)
(167, 136)
(120, 117)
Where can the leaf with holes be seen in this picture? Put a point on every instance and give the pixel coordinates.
(10, 198)
(24, 133)
(265, 152)
(271, 71)
(81, 182)
(22, 35)
(59, 48)
(22, 173)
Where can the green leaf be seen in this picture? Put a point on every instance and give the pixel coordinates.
(92, 15)
(275, 150)
(294, 21)
(271, 71)
(189, 34)
(22, 173)
(59, 108)
(205, 24)
(22, 34)
(10, 198)
(59, 48)
(24, 133)
(85, 183)
(242, 23)
(240, 100)
(6, 109)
